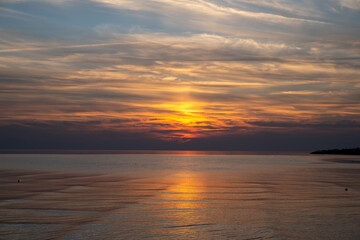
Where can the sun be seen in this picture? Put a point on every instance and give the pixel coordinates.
(184, 120)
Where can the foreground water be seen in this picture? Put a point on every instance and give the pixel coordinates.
(157, 196)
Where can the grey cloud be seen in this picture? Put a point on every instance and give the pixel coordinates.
(317, 126)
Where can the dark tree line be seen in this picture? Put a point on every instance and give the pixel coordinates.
(344, 151)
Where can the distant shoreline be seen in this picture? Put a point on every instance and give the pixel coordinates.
(344, 151)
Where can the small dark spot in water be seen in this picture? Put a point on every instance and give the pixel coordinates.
(18, 180)
(346, 189)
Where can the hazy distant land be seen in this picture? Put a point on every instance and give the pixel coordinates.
(344, 151)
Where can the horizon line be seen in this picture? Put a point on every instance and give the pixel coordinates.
(141, 151)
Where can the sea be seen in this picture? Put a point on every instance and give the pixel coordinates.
(179, 195)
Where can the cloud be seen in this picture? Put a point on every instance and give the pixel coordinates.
(199, 7)
(57, 2)
(352, 4)
(22, 137)
(253, 79)
(11, 13)
(320, 126)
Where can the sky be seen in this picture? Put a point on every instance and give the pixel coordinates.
(265, 75)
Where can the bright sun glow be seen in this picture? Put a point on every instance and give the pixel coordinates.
(185, 119)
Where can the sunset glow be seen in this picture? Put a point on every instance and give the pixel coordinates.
(176, 71)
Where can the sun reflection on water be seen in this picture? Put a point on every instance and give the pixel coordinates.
(184, 198)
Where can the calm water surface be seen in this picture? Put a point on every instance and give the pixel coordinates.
(157, 196)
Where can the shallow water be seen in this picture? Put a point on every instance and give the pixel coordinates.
(151, 196)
